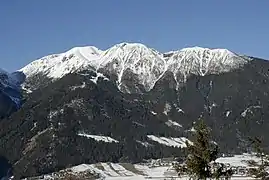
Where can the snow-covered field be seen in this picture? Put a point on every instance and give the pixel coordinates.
(155, 169)
(237, 160)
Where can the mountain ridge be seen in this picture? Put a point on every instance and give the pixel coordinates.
(145, 64)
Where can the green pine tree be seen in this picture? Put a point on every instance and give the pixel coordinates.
(202, 152)
(260, 169)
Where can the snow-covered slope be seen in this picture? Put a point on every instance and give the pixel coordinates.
(202, 61)
(99, 138)
(173, 142)
(146, 64)
(58, 65)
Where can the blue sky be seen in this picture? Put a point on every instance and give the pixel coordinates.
(31, 29)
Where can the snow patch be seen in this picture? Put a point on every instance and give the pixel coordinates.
(171, 141)
(81, 168)
(34, 126)
(146, 144)
(173, 123)
(83, 85)
(179, 110)
(139, 124)
(167, 108)
(192, 130)
(228, 113)
(95, 79)
(99, 138)
(154, 113)
(214, 105)
(88, 167)
(248, 110)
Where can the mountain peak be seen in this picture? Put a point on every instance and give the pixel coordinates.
(202, 61)
(58, 65)
(202, 49)
(87, 49)
(198, 49)
(145, 63)
(130, 44)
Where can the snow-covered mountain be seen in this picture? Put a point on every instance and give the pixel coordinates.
(80, 110)
(145, 64)
(10, 95)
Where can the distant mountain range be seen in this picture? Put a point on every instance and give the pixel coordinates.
(130, 103)
(10, 92)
